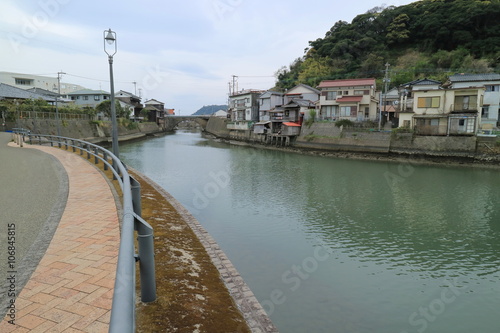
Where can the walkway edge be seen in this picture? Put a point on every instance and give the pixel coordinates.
(257, 319)
(37, 250)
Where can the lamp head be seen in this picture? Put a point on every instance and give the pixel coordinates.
(110, 42)
(110, 37)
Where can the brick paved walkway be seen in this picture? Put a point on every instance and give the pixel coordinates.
(71, 290)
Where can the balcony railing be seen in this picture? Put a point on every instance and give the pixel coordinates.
(463, 108)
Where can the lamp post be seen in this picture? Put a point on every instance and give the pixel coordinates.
(110, 49)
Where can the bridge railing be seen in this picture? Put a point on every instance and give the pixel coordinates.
(123, 308)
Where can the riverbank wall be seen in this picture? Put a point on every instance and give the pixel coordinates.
(91, 131)
(326, 137)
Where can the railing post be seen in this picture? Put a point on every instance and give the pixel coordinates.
(135, 187)
(146, 246)
(105, 156)
(73, 145)
(81, 148)
(146, 260)
(96, 154)
(88, 151)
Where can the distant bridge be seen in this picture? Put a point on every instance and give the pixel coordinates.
(172, 121)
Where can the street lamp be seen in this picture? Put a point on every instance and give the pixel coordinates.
(110, 49)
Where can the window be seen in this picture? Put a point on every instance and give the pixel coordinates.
(85, 98)
(24, 82)
(461, 122)
(331, 95)
(97, 98)
(428, 102)
(361, 92)
(348, 111)
(434, 122)
(345, 92)
(104, 97)
(485, 112)
(465, 103)
(491, 88)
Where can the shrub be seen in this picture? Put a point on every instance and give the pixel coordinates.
(344, 122)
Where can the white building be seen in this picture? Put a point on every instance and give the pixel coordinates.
(29, 81)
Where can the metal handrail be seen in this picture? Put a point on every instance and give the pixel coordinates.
(123, 307)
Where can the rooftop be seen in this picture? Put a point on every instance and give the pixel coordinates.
(346, 83)
(464, 77)
(8, 91)
(89, 92)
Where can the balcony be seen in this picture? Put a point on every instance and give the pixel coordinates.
(463, 108)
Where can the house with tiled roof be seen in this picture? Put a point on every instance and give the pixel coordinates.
(88, 97)
(405, 108)
(441, 109)
(155, 111)
(130, 102)
(353, 99)
(490, 116)
(9, 92)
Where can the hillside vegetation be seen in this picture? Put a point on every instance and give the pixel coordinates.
(427, 38)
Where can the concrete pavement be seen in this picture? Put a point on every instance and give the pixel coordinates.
(72, 286)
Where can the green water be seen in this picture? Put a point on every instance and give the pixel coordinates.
(336, 245)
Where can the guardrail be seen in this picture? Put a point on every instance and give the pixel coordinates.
(123, 308)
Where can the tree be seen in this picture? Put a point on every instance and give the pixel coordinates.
(105, 107)
(397, 31)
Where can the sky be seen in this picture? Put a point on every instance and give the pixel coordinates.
(182, 53)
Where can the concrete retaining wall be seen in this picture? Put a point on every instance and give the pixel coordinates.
(328, 136)
(82, 129)
(434, 145)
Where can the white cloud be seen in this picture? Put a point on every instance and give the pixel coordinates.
(183, 53)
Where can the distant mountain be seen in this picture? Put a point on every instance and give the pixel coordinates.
(210, 109)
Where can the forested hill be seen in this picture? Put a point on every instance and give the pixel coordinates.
(427, 38)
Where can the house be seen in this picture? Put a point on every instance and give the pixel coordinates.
(267, 102)
(305, 93)
(9, 92)
(405, 105)
(220, 114)
(244, 109)
(490, 116)
(28, 81)
(88, 98)
(353, 99)
(389, 106)
(155, 111)
(130, 102)
(439, 110)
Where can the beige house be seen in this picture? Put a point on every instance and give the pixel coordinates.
(440, 111)
(353, 99)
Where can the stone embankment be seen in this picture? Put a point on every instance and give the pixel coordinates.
(327, 139)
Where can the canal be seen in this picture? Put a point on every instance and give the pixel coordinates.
(339, 245)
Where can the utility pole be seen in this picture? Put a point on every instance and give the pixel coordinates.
(234, 83)
(386, 84)
(57, 104)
